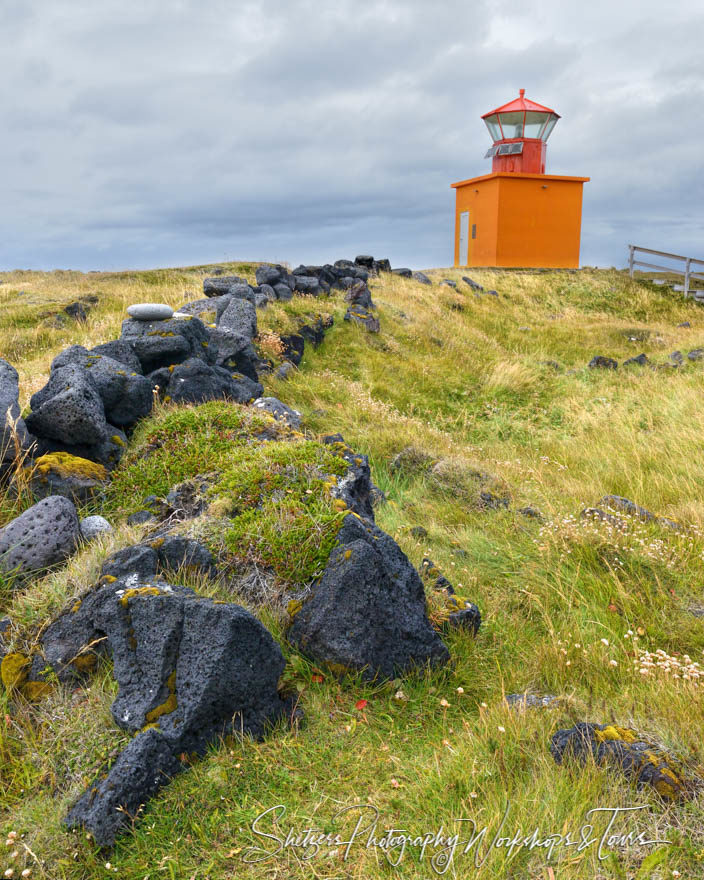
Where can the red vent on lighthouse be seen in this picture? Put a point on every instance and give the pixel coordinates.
(520, 130)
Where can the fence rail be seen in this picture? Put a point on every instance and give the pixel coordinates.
(687, 272)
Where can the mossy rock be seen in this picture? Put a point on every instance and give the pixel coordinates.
(59, 473)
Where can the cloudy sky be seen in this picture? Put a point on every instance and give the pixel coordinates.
(140, 133)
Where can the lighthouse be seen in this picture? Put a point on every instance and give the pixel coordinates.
(519, 216)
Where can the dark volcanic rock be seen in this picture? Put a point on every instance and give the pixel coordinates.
(147, 764)
(623, 749)
(176, 552)
(77, 479)
(421, 277)
(139, 559)
(355, 488)
(108, 452)
(206, 309)
(279, 411)
(363, 318)
(602, 362)
(360, 295)
(126, 396)
(640, 360)
(194, 668)
(195, 382)
(240, 317)
(42, 536)
(472, 284)
(10, 410)
(119, 351)
(164, 343)
(268, 274)
(367, 612)
(69, 408)
(223, 284)
(293, 346)
(403, 273)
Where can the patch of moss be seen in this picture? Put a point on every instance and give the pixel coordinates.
(66, 465)
(14, 670)
(117, 440)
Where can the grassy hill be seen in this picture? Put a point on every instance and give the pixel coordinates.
(493, 403)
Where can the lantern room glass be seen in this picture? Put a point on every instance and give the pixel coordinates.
(492, 123)
(549, 125)
(535, 122)
(512, 123)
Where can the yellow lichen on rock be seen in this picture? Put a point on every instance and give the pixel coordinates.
(66, 465)
(14, 670)
(138, 591)
(169, 704)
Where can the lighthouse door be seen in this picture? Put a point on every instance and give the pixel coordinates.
(464, 239)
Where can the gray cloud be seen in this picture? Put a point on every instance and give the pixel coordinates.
(171, 133)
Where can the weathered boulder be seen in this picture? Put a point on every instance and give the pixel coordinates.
(315, 331)
(193, 668)
(69, 408)
(623, 749)
(42, 536)
(365, 260)
(126, 396)
(640, 360)
(599, 361)
(146, 765)
(421, 277)
(403, 273)
(263, 295)
(119, 351)
(364, 318)
(140, 560)
(367, 612)
(307, 284)
(360, 295)
(223, 284)
(10, 414)
(279, 411)
(206, 309)
(176, 552)
(164, 343)
(94, 526)
(293, 347)
(355, 489)
(382, 265)
(696, 354)
(193, 381)
(268, 274)
(108, 452)
(283, 291)
(240, 316)
(472, 284)
(58, 473)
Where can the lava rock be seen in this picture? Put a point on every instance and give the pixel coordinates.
(530, 701)
(127, 397)
(77, 311)
(366, 261)
(360, 295)
(240, 316)
(139, 559)
(44, 535)
(419, 532)
(108, 452)
(223, 284)
(177, 552)
(599, 361)
(284, 370)
(206, 309)
(363, 318)
(68, 409)
(355, 488)
(382, 265)
(696, 354)
(307, 284)
(623, 749)
(94, 526)
(150, 311)
(530, 512)
(57, 473)
(293, 347)
(468, 617)
(421, 277)
(367, 612)
(279, 411)
(119, 351)
(165, 343)
(473, 284)
(195, 382)
(640, 360)
(315, 332)
(268, 274)
(283, 291)
(403, 273)
(196, 668)
(10, 412)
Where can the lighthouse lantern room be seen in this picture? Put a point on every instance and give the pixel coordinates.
(518, 215)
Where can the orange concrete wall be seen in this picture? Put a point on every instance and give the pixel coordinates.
(539, 223)
(532, 221)
(482, 202)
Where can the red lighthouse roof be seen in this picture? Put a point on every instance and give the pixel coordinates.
(521, 103)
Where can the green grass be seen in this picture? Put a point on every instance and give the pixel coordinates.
(461, 380)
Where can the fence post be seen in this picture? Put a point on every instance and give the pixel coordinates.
(686, 278)
(631, 250)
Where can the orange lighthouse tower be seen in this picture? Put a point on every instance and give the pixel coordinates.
(519, 216)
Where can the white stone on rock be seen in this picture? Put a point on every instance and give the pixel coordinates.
(150, 311)
(92, 526)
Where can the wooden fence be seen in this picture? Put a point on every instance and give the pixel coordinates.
(686, 272)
